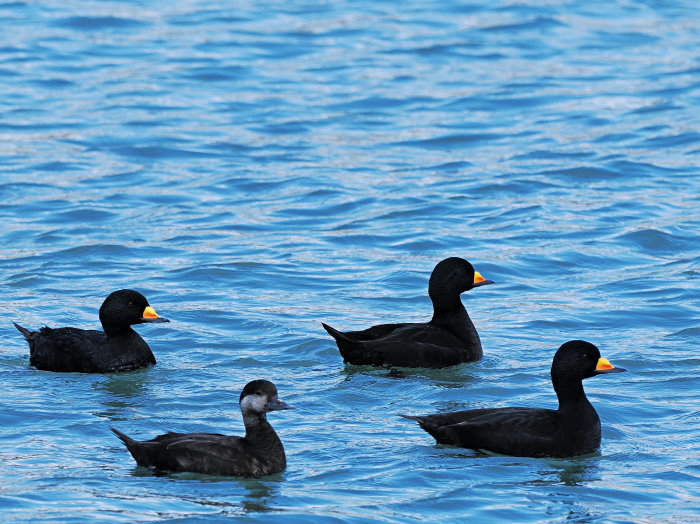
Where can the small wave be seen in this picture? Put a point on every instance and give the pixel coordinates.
(98, 23)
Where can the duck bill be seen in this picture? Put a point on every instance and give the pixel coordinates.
(604, 366)
(276, 405)
(150, 315)
(480, 281)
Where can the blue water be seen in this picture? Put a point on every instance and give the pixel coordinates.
(257, 168)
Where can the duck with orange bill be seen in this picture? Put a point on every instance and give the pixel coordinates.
(448, 339)
(572, 429)
(117, 348)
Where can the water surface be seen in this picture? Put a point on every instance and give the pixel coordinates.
(259, 168)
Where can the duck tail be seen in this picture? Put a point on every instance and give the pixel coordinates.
(423, 422)
(353, 351)
(338, 335)
(134, 447)
(411, 417)
(428, 426)
(126, 439)
(28, 335)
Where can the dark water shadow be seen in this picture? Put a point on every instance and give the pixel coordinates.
(257, 494)
(453, 376)
(260, 494)
(576, 471)
(120, 391)
(562, 474)
(573, 471)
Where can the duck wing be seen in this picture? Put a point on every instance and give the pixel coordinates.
(514, 431)
(64, 349)
(215, 455)
(209, 453)
(374, 333)
(402, 345)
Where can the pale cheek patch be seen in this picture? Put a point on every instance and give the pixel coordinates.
(255, 403)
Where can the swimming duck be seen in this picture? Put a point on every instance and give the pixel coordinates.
(573, 429)
(118, 348)
(259, 453)
(448, 339)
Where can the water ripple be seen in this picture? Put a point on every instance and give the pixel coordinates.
(259, 169)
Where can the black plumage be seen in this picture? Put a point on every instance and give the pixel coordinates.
(117, 348)
(258, 453)
(449, 338)
(572, 429)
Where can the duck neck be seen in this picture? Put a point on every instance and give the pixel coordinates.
(259, 431)
(256, 424)
(446, 305)
(449, 313)
(577, 418)
(570, 393)
(119, 331)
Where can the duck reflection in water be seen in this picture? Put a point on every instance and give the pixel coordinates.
(260, 494)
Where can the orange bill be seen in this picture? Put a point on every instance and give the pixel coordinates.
(479, 280)
(604, 366)
(149, 312)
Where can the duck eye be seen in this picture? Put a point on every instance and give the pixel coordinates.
(258, 393)
(131, 303)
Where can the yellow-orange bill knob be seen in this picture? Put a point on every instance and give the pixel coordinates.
(478, 278)
(149, 312)
(603, 364)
